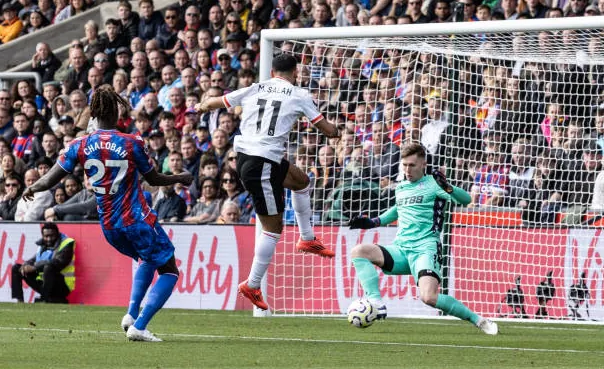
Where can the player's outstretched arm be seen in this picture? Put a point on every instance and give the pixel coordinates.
(457, 194)
(49, 180)
(362, 222)
(154, 178)
(328, 129)
(210, 104)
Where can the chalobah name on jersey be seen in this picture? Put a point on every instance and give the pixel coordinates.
(275, 89)
(105, 145)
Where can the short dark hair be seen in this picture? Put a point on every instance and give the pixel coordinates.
(167, 115)
(208, 160)
(284, 63)
(113, 22)
(413, 149)
(44, 160)
(126, 4)
(51, 226)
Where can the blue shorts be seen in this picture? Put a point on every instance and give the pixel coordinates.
(142, 241)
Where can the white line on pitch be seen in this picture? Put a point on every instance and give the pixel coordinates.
(293, 339)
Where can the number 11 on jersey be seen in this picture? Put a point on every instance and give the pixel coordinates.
(276, 107)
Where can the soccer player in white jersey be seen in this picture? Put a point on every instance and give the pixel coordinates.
(270, 109)
(416, 250)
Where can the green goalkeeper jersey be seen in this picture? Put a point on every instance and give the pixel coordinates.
(420, 209)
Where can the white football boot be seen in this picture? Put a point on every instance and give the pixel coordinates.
(138, 335)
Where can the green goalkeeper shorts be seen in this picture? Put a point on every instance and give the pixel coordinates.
(413, 261)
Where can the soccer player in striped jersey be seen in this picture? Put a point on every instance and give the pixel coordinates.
(112, 161)
(416, 250)
(270, 109)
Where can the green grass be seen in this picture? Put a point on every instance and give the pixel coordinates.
(49, 336)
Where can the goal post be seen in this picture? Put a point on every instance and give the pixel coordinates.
(510, 110)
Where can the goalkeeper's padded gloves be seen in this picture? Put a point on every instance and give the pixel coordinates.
(441, 180)
(362, 222)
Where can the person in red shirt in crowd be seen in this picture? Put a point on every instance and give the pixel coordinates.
(177, 100)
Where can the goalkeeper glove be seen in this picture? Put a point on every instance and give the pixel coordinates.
(361, 222)
(441, 180)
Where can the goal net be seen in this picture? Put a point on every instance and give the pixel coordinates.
(514, 117)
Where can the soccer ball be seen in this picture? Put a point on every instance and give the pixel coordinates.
(362, 313)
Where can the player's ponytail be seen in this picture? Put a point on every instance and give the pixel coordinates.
(105, 103)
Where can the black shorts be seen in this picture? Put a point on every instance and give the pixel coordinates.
(263, 179)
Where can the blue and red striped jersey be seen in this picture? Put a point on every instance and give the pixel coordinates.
(112, 161)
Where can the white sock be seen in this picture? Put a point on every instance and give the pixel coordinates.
(301, 204)
(263, 254)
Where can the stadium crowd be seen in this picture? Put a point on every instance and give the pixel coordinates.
(528, 136)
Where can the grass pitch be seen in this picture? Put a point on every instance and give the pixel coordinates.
(49, 336)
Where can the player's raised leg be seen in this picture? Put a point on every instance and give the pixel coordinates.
(428, 290)
(297, 181)
(364, 258)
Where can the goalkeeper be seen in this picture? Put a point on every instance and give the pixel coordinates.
(420, 203)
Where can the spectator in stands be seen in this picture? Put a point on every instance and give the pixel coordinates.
(6, 100)
(129, 20)
(220, 145)
(138, 87)
(93, 44)
(113, 40)
(157, 142)
(150, 21)
(59, 107)
(491, 181)
(171, 80)
(81, 205)
(202, 137)
(75, 7)
(13, 187)
(95, 79)
(167, 35)
(535, 8)
(170, 207)
(188, 82)
(10, 164)
(21, 145)
(437, 123)
(44, 62)
(522, 171)
(597, 134)
(190, 155)
(230, 125)
(11, 26)
(597, 202)
(208, 167)
(77, 74)
(152, 108)
(576, 8)
(80, 111)
(24, 90)
(233, 189)
(36, 22)
(46, 7)
(229, 213)
(7, 131)
(207, 208)
(67, 127)
(50, 149)
(384, 156)
(578, 182)
(32, 211)
(122, 59)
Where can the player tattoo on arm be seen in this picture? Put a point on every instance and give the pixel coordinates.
(49, 180)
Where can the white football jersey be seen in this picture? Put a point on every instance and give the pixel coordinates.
(270, 109)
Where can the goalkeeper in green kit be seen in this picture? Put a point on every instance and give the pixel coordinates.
(419, 209)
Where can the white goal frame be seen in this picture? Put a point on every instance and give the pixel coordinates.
(270, 36)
